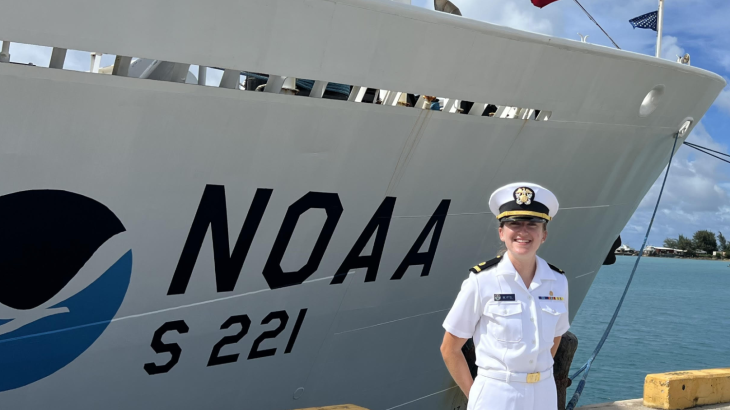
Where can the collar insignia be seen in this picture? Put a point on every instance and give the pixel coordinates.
(524, 195)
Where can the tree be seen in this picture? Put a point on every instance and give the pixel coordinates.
(671, 243)
(685, 244)
(705, 240)
(723, 242)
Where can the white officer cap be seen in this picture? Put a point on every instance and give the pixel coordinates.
(523, 201)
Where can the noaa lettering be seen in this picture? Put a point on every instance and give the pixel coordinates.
(212, 212)
(380, 222)
(415, 258)
(273, 273)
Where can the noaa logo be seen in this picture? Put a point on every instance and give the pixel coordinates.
(64, 271)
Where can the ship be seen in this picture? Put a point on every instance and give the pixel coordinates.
(171, 245)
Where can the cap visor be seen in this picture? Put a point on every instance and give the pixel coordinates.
(522, 218)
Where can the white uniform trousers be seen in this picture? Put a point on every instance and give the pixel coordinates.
(493, 394)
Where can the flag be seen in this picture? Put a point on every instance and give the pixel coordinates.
(647, 20)
(542, 3)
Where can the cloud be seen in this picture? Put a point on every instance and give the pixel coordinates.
(517, 14)
(671, 48)
(696, 196)
(723, 101)
(212, 76)
(25, 53)
(521, 18)
(724, 60)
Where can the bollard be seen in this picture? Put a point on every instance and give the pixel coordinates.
(561, 367)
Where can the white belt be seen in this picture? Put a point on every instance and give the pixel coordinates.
(506, 376)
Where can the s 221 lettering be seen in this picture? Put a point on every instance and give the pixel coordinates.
(240, 322)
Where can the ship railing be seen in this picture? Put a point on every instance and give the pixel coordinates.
(230, 79)
(381, 45)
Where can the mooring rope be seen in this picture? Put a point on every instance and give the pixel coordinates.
(705, 149)
(587, 367)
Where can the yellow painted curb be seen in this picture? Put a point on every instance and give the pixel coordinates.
(338, 407)
(683, 390)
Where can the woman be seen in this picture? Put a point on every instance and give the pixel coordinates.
(516, 309)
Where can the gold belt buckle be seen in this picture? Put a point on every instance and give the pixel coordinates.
(533, 377)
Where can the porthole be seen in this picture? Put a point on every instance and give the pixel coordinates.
(651, 101)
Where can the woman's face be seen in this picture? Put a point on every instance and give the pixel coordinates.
(522, 238)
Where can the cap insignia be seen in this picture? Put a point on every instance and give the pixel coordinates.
(523, 195)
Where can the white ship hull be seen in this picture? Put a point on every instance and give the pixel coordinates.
(147, 150)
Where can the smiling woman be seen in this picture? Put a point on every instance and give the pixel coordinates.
(515, 307)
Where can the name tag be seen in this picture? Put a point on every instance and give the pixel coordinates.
(550, 298)
(504, 296)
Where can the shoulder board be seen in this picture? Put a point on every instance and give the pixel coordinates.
(485, 265)
(556, 269)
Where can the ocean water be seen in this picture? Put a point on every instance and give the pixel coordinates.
(676, 316)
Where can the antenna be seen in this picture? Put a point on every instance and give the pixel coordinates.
(583, 38)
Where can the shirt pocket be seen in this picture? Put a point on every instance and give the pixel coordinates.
(549, 317)
(506, 323)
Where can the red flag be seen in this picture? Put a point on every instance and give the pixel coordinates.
(542, 3)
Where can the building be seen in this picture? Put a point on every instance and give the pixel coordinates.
(625, 250)
(662, 251)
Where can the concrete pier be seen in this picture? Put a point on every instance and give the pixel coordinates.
(638, 404)
(687, 389)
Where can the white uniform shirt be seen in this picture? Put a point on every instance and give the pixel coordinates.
(511, 335)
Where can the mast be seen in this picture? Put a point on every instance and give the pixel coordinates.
(659, 26)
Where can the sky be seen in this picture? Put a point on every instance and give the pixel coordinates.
(697, 195)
